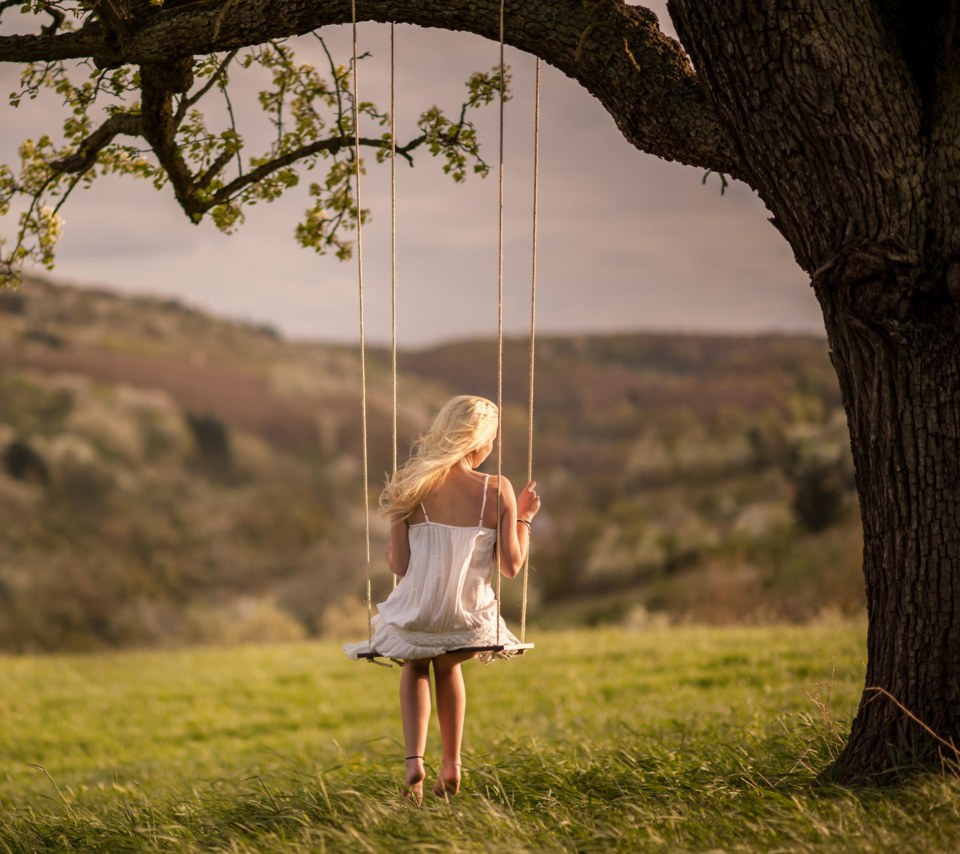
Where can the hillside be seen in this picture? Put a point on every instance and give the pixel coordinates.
(705, 476)
(171, 477)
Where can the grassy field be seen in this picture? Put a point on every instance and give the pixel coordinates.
(689, 739)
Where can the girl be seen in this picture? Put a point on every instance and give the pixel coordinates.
(444, 537)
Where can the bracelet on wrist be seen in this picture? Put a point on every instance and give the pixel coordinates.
(526, 522)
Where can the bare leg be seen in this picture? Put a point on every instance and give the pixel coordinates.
(451, 707)
(415, 712)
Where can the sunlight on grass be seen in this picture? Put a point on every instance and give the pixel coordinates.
(680, 739)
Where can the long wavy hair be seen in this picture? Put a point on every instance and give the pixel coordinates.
(462, 425)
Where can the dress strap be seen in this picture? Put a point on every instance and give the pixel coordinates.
(424, 509)
(483, 504)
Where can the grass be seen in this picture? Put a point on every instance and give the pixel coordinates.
(684, 739)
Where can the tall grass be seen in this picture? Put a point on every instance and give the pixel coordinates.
(669, 740)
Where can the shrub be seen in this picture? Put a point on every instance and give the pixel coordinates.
(818, 494)
(85, 487)
(244, 619)
(111, 429)
(344, 620)
(212, 439)
(13, 302)
(22, 462)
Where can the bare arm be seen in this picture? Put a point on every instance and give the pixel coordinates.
(398, 552)
(514, 534)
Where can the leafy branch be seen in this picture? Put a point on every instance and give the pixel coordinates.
(311, 112)
(57, 12)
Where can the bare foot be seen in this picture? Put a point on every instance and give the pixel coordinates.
(413, 782)
(448, 783)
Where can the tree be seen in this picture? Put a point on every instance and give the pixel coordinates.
(842, 116)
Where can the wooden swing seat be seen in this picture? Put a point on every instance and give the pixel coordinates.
(518, 648)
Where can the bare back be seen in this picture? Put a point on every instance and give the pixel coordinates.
(458, 498)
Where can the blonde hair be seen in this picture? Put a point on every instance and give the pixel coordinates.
(462, 425)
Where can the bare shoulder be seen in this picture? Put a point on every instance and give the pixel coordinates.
(504, 485)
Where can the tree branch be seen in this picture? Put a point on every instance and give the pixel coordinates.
(203, 180)
(159, 123)
(333, 145)
(115, 14)
(616, 51)
(160, 130)
(86, 153)
(87, 42)
(187, 102)
(57, 22)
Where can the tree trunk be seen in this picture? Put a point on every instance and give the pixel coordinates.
(858, 166)
(901, 391)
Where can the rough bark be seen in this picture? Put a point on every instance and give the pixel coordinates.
(641, 76)
(825, 118)
(158, 83)
(901, 390)
(87, 42)
(855, 154)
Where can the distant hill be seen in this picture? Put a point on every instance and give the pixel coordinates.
(172, 477)
(595, 393)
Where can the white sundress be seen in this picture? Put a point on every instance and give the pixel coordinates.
(445, 601)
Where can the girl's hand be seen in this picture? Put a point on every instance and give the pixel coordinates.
(528, 502)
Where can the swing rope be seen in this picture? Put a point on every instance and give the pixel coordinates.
(393, 240)
(393, 296)
(533, 335)
(363, 360)
(500, 336)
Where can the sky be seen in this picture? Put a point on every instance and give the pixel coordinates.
(626, 241)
